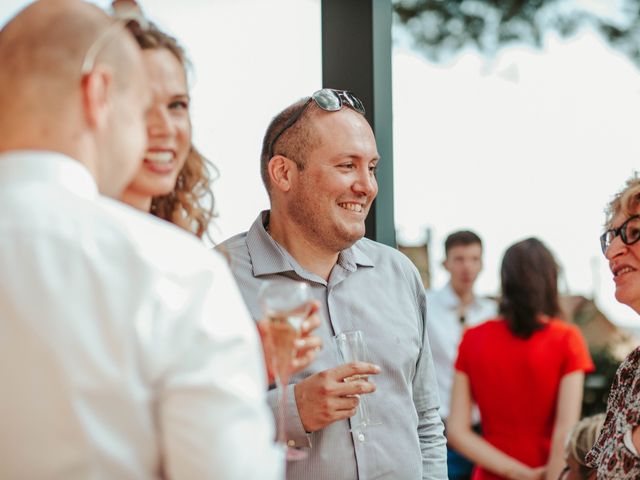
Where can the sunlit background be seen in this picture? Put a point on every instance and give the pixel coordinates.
(526, 142)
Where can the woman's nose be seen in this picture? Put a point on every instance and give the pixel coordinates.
(159, 122)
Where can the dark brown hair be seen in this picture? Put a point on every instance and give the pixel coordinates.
(461, 237)
(191, 204)
(529, 276)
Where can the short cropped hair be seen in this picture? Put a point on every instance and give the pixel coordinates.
(295, 143)
(461, 237)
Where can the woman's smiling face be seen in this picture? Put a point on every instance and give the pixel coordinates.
(168, 125)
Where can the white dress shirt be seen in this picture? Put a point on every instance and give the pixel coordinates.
(445, 332)
(126, 351)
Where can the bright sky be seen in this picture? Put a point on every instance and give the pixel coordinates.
(531, 143)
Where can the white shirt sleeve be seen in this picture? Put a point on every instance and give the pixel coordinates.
(215, 422)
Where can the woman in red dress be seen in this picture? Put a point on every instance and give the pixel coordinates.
(525, 371)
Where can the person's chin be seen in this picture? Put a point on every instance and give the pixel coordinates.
(354, 234)
(627, 297)
(160, 190)
(162, 184)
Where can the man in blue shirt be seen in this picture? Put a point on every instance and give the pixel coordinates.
(319, 159)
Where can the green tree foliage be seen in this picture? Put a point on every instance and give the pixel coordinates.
(598, 384)
(440, 28)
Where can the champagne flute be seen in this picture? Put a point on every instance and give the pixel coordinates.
(286, 304)
(352, 348)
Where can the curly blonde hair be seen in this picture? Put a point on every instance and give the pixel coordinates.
(626, 200)
(191, 204)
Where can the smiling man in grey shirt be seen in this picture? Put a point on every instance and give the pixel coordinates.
(318, 163)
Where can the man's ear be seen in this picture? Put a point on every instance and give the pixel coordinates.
(281, 170)
(96, 90)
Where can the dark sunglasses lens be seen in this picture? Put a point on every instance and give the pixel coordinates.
(631, 231)
(355, 102)
(327, 100)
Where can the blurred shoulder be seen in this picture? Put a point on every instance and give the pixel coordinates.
(487, 302)
(156, 242)
(443, 295)
(436, 294)
(490, 327)
(560, 327)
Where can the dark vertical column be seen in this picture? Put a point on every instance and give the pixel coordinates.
(356, 56)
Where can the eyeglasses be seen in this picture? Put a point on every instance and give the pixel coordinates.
(121, 20)
(327, 99)
(629, 232)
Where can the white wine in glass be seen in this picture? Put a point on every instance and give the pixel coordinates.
(286, 304)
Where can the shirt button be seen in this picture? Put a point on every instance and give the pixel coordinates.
(361, 436)
(291, 443)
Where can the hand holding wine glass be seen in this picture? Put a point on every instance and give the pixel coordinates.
(324, 397)
(306, 346)
(286, 305)
(352, 348)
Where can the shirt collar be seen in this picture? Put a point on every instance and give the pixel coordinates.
(47, 167)
(451, 300)
(354, 256)
(269, 257)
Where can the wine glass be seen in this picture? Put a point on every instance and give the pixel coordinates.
(352, 348)
(286, 304)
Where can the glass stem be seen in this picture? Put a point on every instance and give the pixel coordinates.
(364, 411)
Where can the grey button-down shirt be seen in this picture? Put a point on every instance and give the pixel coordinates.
(375, 289)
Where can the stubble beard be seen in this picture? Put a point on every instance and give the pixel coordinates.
(318, 229)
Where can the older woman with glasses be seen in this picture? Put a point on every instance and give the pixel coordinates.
(615, 453)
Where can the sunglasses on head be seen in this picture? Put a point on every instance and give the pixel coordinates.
(327, 99)
(629, 233)
(123, 15)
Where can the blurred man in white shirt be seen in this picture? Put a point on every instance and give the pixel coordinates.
(450, 311)
(125, 349)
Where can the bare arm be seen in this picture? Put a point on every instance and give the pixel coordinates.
(567, 414)
(473, 446)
